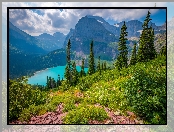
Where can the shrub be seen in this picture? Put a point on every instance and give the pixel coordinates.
(146, 92)
(83, 114)
(21, 96)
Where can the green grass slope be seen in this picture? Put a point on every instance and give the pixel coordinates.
(140, 88)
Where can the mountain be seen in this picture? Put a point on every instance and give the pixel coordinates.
(51, 42)
(160, 41)
(86, 30)
(34, 53)
(133, 27)
(28, 54)
(52, 59)
(22, 65)
(104, 35)
(113, 29)
(23, 41)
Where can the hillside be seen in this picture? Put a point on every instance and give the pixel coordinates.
(105, 36)
(32, 63)
(34, 50)
(23, 41)
(26, 55)
(112, 97)
(51, 42)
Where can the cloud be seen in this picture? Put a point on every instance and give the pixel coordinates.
(53, 20)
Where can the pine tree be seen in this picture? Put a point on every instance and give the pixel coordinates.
(74, 74)
(163, 50)
(152, 51)
(91, 69)
(123, 50)
(82, 72)
(58, 81)
(68, 75)
(104, 66)
(98, 66)
(133, 57)
(146, 49)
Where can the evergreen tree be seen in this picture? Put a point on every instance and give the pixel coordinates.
(146, 49)
(82, 72)
(58, 81)
(98, 66)
(163, 50)
(68, 75)
(133, 57)
(91, 69)
(104, 66)
(123, 50)
(152, 52)
(74, 74)
(47, 84)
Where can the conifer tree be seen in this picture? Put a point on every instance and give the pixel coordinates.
(98, 66)
(58, 81)
(68, 65)
(104, 66)
(133, 57)
(152, 52)
(123, 50)
(74, 74)
(163, 50)
(91, 69)
(146, 49)
(82, 72)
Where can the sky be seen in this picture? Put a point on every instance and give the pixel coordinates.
(36, 22)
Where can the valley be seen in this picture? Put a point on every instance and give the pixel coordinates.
(98, 74)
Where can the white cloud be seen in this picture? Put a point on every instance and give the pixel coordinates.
(53, 20)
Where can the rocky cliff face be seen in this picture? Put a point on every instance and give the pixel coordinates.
(86, 30)
(111, 28)
(51, 42)
(104, 35)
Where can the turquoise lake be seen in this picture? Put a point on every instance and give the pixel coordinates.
(40, 77)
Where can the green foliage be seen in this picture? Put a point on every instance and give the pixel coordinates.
(68, 74)
(146, 49)
(74, 74)
(146, 91)
(68, 68)
(108, 94)
(84, 113)
(123, 50)
(32, 110)
(21, 96)
(91, 69)
(140, 88)
(98, 66)
(82, 72)
(163, 50)
(133, 57)
(34, 62)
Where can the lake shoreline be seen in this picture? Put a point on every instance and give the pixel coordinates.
(40, 77)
